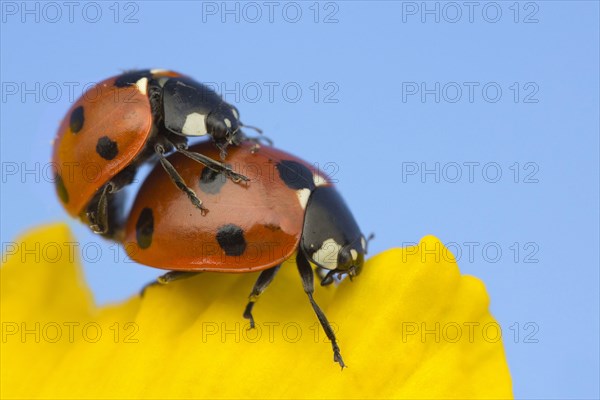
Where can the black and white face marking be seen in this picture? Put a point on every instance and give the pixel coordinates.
(331, 237)
(224, 125)
(193, 109)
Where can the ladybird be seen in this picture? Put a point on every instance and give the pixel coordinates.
(288, 210)
(127, 120)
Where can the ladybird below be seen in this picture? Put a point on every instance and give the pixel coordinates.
(289, 210)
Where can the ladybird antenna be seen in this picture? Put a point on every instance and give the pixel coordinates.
(253, 128)
(232, 135)
(371, 237)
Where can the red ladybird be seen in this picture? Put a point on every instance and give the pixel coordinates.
(127, 120)
(288, 209)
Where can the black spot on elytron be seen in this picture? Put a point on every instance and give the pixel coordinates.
(295, 175)
(144, 228)
(107, 148)
(231, 239)
(131, 77)
(211, 181)
(61, 189)
(77, 119)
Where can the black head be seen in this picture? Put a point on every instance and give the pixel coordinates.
(190, 108)
(223, 124)
(331, 238)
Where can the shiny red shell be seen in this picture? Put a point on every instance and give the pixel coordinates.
(249, 226)
(103, 132)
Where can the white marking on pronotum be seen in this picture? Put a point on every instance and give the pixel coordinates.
(303, 195)
(227, 122)
(327, 255)
(162, 81)
(363, 242)
(157, 71)
(195, 125)
(142, 85)
(354, 254)
(319, 180)
(235, 113)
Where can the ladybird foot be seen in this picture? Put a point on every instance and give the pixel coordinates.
(198, 203)
(95, 226)
(337, 356)
(194, 199)
(248, 314)
(98, 217)
(164, 279)
(222, 151)
(100, 230)
(235, 177)
(174, 276)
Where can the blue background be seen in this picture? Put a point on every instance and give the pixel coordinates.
(374, 135)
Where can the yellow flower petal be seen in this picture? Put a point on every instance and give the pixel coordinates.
(410, 326)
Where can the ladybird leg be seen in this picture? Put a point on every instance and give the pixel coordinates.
(264, 279)
(175, 276)
(214, 165)
(328, 278)
(99, 218)
(177, 179)
(168, 277)
(306, 273)
(222, 150)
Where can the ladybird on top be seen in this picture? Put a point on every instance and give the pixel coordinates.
(127, 120)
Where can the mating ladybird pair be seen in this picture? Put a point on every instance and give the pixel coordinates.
(225, 206)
